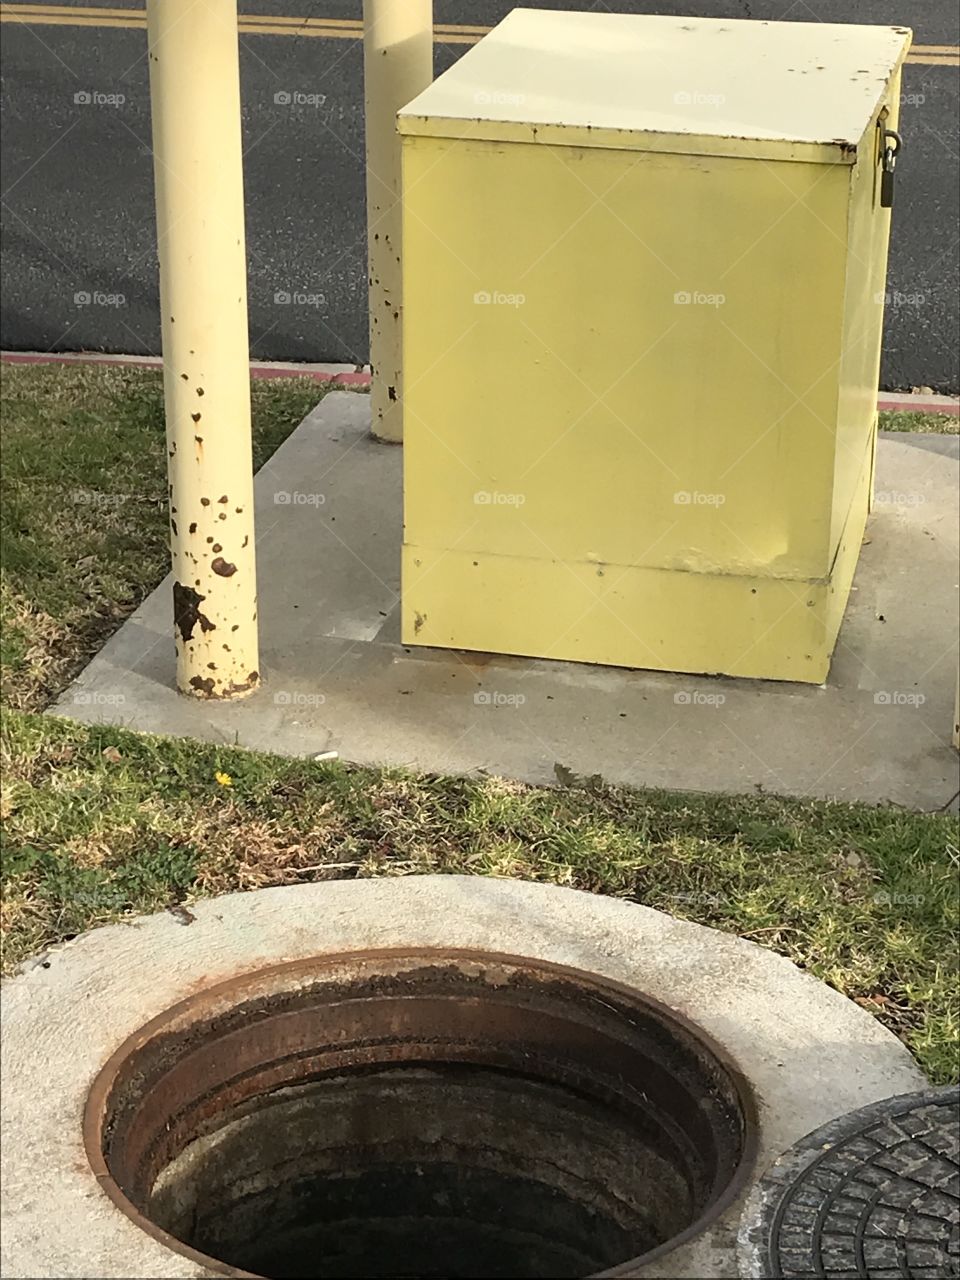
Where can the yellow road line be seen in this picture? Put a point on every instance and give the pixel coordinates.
(928, 55)
(248, 24)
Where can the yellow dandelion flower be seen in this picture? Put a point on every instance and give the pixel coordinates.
(224, 779)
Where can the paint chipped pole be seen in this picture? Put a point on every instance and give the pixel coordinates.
(198, 171)
(397, 65)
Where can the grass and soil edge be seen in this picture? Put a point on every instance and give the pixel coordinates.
(101, 824)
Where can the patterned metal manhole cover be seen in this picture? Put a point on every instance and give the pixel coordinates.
(874, 1195)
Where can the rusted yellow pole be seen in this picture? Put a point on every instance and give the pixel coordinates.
(397, 65)
(195, 101)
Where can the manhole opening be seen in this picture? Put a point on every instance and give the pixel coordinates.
(432, 1114)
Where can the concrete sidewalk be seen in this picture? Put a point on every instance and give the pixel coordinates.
(338, 679)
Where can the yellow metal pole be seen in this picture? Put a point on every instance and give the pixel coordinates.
(397, 65)
(198, 170)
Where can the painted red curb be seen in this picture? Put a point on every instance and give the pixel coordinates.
(904, 403)
(920, 404)
(348, 378)
(355, 379)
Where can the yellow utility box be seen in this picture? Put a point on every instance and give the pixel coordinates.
(644, 262)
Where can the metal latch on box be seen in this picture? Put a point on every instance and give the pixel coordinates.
(890, 144)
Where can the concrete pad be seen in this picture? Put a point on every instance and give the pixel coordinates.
(337, 678)
(807, 1053)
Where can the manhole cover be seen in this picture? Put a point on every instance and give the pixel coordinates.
(874, 1195)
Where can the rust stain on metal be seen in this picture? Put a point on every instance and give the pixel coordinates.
(223, 567)
(246, 685)
(203, 685)
(186, 611)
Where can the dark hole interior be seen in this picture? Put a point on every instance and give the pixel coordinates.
(454, 1116)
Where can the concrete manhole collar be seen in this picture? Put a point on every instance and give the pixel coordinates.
(395, 1076)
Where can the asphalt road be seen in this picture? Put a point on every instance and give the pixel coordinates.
(78, 186)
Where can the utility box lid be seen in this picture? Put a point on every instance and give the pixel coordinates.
(703, 86)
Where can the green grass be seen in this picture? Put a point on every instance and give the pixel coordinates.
(83, 516)
(941, 424)
(100, 823)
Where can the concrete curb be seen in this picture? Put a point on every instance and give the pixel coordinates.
(809, 1053)
(353, 375)
(344, 375)
(922, 402)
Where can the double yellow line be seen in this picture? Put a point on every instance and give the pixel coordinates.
(60, 15)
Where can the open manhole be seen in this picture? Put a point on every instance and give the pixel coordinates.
(432, 1113)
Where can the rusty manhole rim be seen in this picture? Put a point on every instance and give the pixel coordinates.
(96, 1112)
